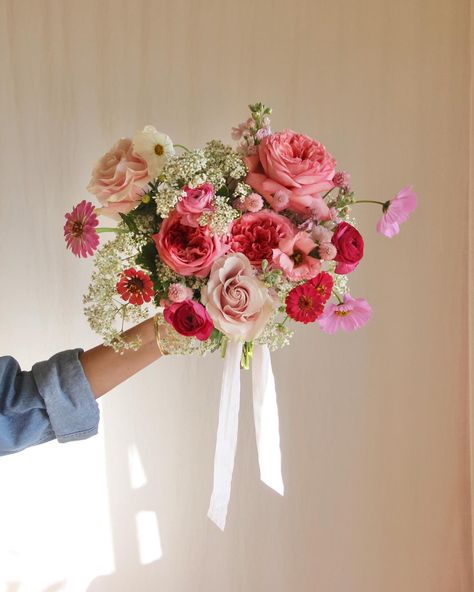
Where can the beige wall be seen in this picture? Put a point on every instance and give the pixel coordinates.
(374, 425)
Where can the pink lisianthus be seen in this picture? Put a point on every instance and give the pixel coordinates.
(79, 231)
(293, 257)
(189, 318)
(196, 201)
(295, 163)
(352, 314)
(186, 249)
(397, 211)
(119, 179)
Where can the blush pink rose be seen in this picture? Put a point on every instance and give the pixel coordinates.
(119, 179)
(189, 318)
(256, 235)
(237, 301)
(186, 249)
(294, 163)
(197, 201)
(293, 257)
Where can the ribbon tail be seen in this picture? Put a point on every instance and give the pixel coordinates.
(267, 426)
(226, 435)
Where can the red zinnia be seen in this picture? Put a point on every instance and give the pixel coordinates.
(323, 283)
(79, 230)
(304, 303)
(135, 286)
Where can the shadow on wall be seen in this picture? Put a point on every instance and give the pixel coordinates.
(135, 531)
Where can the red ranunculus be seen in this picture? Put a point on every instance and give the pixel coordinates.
(256, 235)
(189, 318)
(350, 247)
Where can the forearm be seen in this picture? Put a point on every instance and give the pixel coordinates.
(105, 369)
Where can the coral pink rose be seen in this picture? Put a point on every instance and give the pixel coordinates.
(236, 300)
(189, 318)
(350, 247)
(186, 249)
(197, 201)
(294, 163)
(256, 235)
(293, 257)
(119, 179)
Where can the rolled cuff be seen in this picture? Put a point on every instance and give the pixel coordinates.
(70, 403)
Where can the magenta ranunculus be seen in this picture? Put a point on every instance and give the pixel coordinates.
(256, 235)
(186, 249)
(189, 318)
(297, 164)
(350, 247)
(197, 201)
(119, 179)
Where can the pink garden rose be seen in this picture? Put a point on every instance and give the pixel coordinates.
(189, 318)
(197, 201)
(350, 247)
(119, 179)
(186, 249)
(294, 163)
(293, 257)
(237, 301)
(256, 235)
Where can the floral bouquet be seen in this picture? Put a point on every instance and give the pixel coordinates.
(226, 245)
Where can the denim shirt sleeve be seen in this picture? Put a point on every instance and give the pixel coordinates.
(52, 401)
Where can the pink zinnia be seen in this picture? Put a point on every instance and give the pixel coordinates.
(397, 211)
(352, 314)
(79, 230)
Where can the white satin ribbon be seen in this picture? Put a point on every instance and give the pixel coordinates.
(266, 427)
(226, 435)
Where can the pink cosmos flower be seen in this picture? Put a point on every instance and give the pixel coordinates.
(293, 257)
(397, 211)
(352, 314)
(79, 230)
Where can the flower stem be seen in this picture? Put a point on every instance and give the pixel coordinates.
(181, 146)
(380, 203)
(103, 229)
(338, 297)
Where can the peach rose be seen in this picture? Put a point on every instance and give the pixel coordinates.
(296, 164)
(238, 303)
(119, 179)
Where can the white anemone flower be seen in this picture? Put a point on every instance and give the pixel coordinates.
(155, 147)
